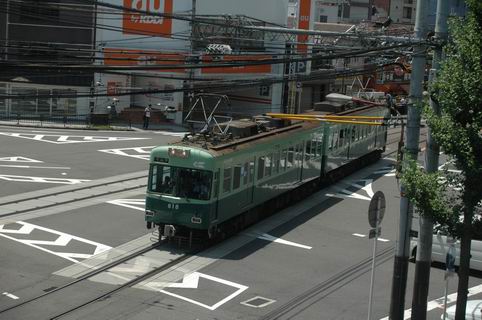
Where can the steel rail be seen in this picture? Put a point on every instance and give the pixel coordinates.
(87, 275)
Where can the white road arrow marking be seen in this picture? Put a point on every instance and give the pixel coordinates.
(268, 237)
(19, 159)
(41, 179)
(62, 240)
(63, 139)
(191, 281)
(138, 152)
(345, 193)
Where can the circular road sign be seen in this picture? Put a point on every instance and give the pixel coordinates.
(376, 209)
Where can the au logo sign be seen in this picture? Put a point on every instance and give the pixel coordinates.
(145, 23)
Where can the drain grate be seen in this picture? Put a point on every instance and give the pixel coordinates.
(258, 302)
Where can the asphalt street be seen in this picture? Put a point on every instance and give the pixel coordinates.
(311, 261)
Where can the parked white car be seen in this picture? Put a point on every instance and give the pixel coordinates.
(473, 311)
(441, 245)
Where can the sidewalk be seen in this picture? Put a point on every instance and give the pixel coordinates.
(114, 127)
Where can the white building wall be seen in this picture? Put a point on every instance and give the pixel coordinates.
(275, 11)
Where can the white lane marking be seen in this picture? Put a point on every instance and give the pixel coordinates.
(438, 303)
(62, 139)
(41, 179)
(137, 152)
(136, 204)
(14, 297)
(191, 281)
(268, 237)
(364, 236)
(51, 132)
(172, 134)
(19, 159)
(62, 240)
(33, 167)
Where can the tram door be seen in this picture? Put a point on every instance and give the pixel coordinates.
(247, 176)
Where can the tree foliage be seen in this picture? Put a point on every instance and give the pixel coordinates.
(458, 131)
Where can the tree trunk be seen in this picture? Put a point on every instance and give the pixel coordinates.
(464, 267)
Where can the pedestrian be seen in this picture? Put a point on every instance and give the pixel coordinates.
(147, 116)
(389, 99)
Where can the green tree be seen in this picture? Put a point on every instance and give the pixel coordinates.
(458, 131)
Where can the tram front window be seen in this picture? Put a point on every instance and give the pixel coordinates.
(181, 182)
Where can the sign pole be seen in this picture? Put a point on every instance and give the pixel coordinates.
(372, 281)
(376, 212)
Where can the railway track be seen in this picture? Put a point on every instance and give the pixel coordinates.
(291, 308)
(66, 297)
(58, 196)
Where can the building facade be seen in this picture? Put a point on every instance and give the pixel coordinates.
(46, 32)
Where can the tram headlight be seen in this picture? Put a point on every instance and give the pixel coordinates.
(150, 213)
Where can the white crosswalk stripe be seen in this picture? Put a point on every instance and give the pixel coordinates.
(63, 139)
(137, 152)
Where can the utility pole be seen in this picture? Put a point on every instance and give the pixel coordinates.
(191, 60)
(424, 246)
(400, 270)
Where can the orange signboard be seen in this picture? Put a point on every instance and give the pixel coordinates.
(129, 57)
(304, 23)
(145, 23)
(258, 68)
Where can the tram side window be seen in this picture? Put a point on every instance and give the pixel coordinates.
(227, 180)
(267, 165)
(245, 173)
(216, 184)
(291, 158)
(237, 177)
(319, 147)
(276, 162)
(261, 161)
(334, 139)
(251, 171)
(307, 150)
(284, 156)
(299, 154)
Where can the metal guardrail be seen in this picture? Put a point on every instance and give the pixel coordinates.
(66, 120)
